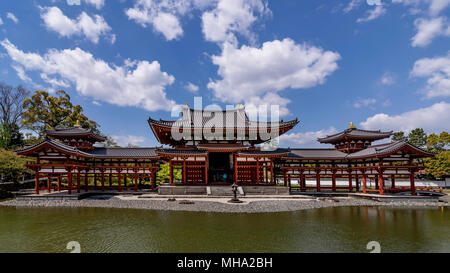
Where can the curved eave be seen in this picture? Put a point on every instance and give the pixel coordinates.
(62, 148)
(403, 146)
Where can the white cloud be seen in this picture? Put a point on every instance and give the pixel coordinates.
(168, 24)
(428, 29)
(373, 14)
(353, 4)
(438, 72)
(306, 138)
(13, 18)
(364, 102)
(270, 99)
(141, 84)
(1, 21)
(387, 79)
(230, 17)
(97, 3)
(250, 73)
(434, 6)
(91, 27)
(435, 118)
(128, 139)
(192, 87)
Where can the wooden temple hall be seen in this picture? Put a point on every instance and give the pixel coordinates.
(74, 159)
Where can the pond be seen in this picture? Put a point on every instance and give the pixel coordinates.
(342, 229)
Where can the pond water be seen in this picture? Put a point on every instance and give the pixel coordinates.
(344, 229)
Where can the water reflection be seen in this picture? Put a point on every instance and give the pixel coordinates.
(346, 229)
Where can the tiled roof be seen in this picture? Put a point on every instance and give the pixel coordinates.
(57, 145)
(74, 131)
(316, 154)
(386, 148)
(98, 152)
(355, 133)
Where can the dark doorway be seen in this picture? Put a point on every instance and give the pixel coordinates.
(220, 167)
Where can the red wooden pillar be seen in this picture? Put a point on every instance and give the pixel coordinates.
(95, 179)
(381, 181)
(206, 170)
(103, 179)
(411, 180)
(78, 181)
(285, 177)
(153, 179)
(119, 183)
(36, 181)
(317, 179)
(235, 169)
(170, 172)
(48, 184)
(333, 180)
(350, 184)
(110, 178)
(272, 176)
(257, 170)
(302, 181)
(59, 183)
(364, 182)
(135, 180)
(393, 181)
(86, 180)
(184, 170)
(69, 179)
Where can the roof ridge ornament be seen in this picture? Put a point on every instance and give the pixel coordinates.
(77, 124)
(352, 126)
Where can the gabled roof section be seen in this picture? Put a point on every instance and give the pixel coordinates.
(316, 154)
(355, 134)
(100, 152)
(75, 132)
(50, 143)
(389, 148)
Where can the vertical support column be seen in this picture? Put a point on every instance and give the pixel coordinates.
(95, 179)
(380, 180)
(184, 170)
(364, 182)
(302, 181)
(69, 179)
(86, 180)
(170, 172)
(48, 184)
(411, 180)
(235, 169)
(285, 177)
(272, 175)
(135, 179)
(119, 184)
(36, 181)
(257, 170)
(317, 179)
(153, 179)
(103, 179)
(350, 183)
(333, 180)
(78, 181)
(393, 181)
(206, 170)
(59, 183)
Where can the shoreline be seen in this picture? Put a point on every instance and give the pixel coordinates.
(218, 205)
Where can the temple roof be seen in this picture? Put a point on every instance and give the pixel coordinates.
(312, 153)
(388, 148)
(353, 133)
(74, 132)
(53, 144)
(99, 152)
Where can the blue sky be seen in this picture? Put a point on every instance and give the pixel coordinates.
(381, 64)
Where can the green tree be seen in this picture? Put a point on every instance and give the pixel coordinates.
(12, 166)
(163, 175)
(418, 137)
(11, 111)
(110, 143)
(44, 112)
(438, 166)
(5, 136)
(399, 136)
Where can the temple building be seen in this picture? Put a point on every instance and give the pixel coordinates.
(215, 147)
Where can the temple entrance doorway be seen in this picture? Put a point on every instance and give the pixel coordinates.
(220, 168)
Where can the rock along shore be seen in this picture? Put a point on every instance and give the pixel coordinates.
(214, 205)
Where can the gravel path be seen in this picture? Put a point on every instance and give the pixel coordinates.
(216, 205)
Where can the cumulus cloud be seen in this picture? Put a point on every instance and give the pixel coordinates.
(128, 140)
(230, 17)
(138, 83)
(12, 17)
(307, 138)
(438, 72)
(387, 79)
(91, 27)
(373, 14)
(434, 6)
(97, 3)
(192, 87)
(353, 4)
(248, 72)
(434, 118)
(428, 29)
